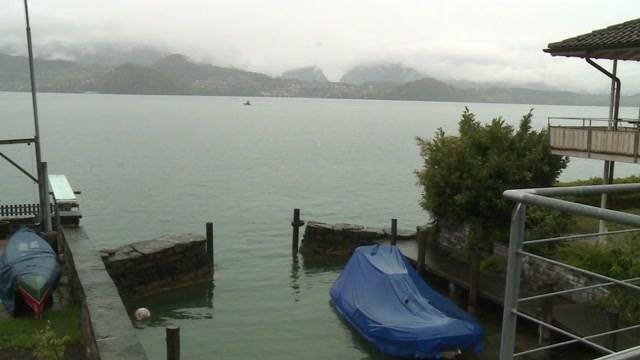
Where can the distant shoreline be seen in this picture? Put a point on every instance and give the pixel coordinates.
(310, 98)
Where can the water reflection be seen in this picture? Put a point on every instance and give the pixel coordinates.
(295, 285)
(191, 302)
(321, 263)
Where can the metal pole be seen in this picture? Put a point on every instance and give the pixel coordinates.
(210, 243)
(46, 215)
(36, 138)
(509, 318)
(394, 231)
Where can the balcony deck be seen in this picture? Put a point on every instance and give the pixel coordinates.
(592, 139)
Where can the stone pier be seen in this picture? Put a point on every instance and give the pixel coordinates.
(167, 262)
(342, 239)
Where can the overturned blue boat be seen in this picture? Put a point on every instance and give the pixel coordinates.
(388, 303)
(29, 272)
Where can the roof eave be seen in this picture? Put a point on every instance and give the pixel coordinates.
(619, 53)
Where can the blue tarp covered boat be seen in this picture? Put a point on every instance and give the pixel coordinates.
(388, 303)
(29, 272)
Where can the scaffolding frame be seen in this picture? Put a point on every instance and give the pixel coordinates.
(44, 214)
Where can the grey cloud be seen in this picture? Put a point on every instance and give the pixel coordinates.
(498, 41)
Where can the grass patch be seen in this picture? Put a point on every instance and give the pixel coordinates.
(17, 333)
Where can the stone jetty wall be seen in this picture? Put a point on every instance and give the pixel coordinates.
(342, 239)
(106, 328)
(150, 266)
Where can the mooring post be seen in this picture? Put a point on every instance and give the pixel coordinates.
(296, 223)
(210, 243)
(474, 281)
(173, 342)
(394, 231)
(422, 250)
(614, 318)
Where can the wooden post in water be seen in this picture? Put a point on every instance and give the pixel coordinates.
(422, 250)
(210, 243)
(394, 231)
(614, 319)
(474, 281)
(296, 223)
(173, 342)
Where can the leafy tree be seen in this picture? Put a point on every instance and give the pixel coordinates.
(464, 176)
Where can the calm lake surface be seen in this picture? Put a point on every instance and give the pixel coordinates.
(150, 165)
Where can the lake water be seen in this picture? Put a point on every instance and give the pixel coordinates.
(150, 165)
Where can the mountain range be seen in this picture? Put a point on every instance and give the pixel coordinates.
(178, 75)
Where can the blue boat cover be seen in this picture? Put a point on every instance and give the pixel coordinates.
(385, 299)
(26, 253)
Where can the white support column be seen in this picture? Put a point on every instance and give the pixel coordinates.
(607, 177)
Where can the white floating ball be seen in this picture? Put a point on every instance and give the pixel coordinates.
(142, 314)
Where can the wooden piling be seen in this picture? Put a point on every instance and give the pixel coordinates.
(422, 250)
(210, 243)
(474, 281)
(394, 231)
(453, 291)
(547, 315)
(173, 342)
(614, 319)
(295, 224)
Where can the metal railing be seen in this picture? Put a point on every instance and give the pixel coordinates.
(21, 210)
(544, 197)
(589, 121)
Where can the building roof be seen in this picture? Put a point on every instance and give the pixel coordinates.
(621, 41)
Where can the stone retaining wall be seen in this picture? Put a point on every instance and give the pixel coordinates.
(167, 262)
(453, 237)
(342, 239)
(106, 328)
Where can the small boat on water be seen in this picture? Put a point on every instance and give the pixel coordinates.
(382, 297)
(246, 102)
(29, 272)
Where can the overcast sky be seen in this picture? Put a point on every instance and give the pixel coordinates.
(495, 41)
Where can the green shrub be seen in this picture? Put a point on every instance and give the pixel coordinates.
(618, 257)
(464, 176)
(48, 346)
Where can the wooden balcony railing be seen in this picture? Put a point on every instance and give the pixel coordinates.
(593, 138)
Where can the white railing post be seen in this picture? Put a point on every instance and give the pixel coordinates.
(512, 288)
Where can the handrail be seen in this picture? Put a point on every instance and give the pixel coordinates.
(544, 197)
(591, 119)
